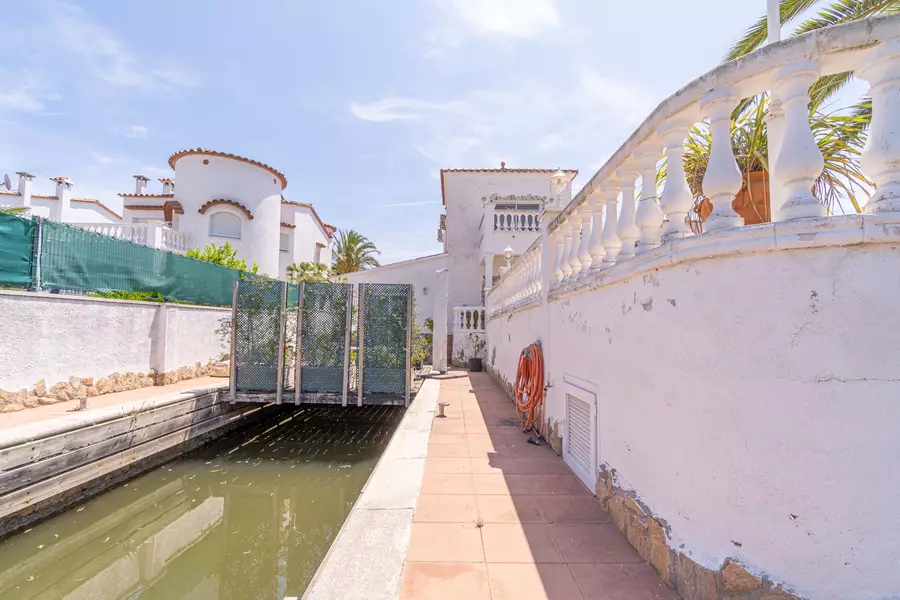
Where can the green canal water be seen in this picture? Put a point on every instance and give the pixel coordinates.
(249, 516)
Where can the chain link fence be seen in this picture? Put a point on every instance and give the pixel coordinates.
(324, 337)
(258, 352)
(385, 337)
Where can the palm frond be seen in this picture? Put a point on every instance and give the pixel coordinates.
(756, 34)
(844, 11)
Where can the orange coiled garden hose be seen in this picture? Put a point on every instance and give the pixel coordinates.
(529, 389)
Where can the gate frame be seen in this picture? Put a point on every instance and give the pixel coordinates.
(348, 324)
(409, 320)
(282, 327)
(298, 354)
(232, 375)
(360, 344)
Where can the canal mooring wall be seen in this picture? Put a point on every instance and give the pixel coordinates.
(46, 467)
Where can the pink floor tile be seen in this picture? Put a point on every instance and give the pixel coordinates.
(444, 581)
(519, 543)
(445, 542)
(620, 582)
(447, 483)
(509, 509)
(542, 581)
(593, 543)
(580, 508)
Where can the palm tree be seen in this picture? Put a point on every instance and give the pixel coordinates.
(14, 210)
(353, 252)
(307, 271)
(831, 12)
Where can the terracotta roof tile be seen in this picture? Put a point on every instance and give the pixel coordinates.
(288, 225)
(8, 193)
(222, 201)
(328, 229)
(44, 196)
(503, 169)
(146, 195)
(205, 151)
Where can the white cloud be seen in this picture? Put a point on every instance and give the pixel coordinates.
(399, 204)
(103, 159)
(136, 131)
(516, 18)
(73, 31)
(526, 123)
(26, 92)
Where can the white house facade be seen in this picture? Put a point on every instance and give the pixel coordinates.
(213, 197)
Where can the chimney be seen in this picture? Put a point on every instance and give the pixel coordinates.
(25, 187)
(140, 184)
(168, 185)
(63, 196)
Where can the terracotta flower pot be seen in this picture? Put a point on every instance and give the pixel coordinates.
(751, 203)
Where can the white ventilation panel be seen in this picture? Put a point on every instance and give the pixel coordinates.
(580, 441)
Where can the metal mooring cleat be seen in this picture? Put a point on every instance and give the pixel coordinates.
(441, 406)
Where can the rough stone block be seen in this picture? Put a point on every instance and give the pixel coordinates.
(778, 593)
(659, 550)
(104, 386)
(47, 400)
(632, 505)
(694, 582)
(76, 385)
(735, 578)
(13, 407)
(90, 391)
(32, 401)
(40, 388)
(637, 534)
(618, 513)
(62, 391)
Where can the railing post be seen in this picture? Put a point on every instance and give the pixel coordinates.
(723, 179)
(648, 215)
(584, 253)
(232, 376)
(595, 245)
(347, 326)
(409, 319)
(880, 159)
(38, 250)
(627, 231)
(611, 242)
(556, 241)
(800, 161)
(282, 325)
(361, 343)
(298, 358)
(675, 200)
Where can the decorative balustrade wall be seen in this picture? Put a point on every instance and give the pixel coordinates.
(743, 379)
(516, 220)
(155, 235)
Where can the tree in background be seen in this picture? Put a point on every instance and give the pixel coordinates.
(353, 252)
(225, 256)
(14, 210)
(307, 271)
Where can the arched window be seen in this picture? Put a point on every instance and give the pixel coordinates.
(225, 224)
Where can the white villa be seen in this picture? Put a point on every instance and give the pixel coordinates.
(492, 217)
(211, 197)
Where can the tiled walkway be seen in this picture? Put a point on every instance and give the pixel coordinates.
(499, 518)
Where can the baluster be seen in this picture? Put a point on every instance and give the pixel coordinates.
(648, 217)
(584, 254)
(495, 221)
(468, 319)
(595, 244)
(723, 178)
(609, 237)
(675, 200)
(538, 273)
(574, 263)
(880, 159)
(799, 161)
(557, 236)
(627, 230)
(566, 227)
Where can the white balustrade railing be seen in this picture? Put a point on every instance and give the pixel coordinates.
(516, 220)
(468, 319)
(155, 235)
(583, 244)
(521, 285)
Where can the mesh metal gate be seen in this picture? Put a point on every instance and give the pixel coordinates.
(385, 337)
(325, 345)
(321, 342)
(256, 335)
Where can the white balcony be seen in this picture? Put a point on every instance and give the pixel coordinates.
(154, 234)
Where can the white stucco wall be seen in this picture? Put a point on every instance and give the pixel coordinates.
(53, 337)
(463, 193)
(421, 273)
(750, 402)
(229, 179)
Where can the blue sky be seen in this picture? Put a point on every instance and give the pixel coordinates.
(360, 103)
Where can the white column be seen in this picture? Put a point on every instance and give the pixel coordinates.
(537, 276)
(880, 159)
(557, 240)
(488, 273)
(773, 20)
(723, 178)
(775, 131)
(575, 227)
(648, 216)
(566, 227)
(611, 242)
(627, 230)
(584, 253)
(595, 245)
(155, 235)
(675, 200)
(439, 339)
(799, 160)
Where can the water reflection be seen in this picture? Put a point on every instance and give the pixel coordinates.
(248, 517)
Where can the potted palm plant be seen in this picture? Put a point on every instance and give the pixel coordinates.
(840, 137)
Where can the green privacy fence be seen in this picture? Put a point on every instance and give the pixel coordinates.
(17, 247)
(54, 256)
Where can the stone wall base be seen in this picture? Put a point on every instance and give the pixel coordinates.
(649, 535)
(40, 394)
